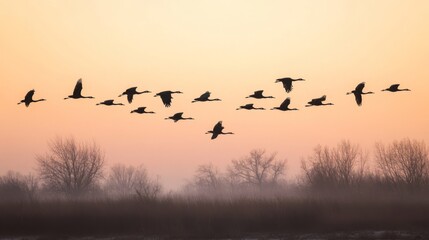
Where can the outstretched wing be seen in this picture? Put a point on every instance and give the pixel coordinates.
(218, 127)
(130, 97)
(358, 98)
(178, 115)
(78, 88)
(132, 90)
(319, 101)
(394, 86)
(258, 93)
(205, 95)
(108, 102)
(29, 95)
(166, 98)
(285, 103)
(360, 86)
(287, 84)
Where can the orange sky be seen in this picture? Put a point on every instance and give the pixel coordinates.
(230, 48)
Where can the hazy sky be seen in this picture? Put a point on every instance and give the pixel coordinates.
(230, 48)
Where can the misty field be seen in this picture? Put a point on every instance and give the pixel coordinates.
(197, 218)
(337, 197)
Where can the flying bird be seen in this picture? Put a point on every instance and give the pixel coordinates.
(258, 95)
(109, 103)
(178, 116)
(284, 106)
(130, 92)
(318, 102)
(140, 110)
(77, 92)
(287, 82)
(29, 98)
(205, 97)
(217, 129)
(358, 92)
(166, 97)
(249, 107)
(395, 88)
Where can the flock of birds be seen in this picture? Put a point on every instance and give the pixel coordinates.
(166, 97)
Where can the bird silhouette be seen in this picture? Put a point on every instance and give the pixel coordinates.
(178, 116)
(109, 103)
(140, 110)
(284, 106)
(395, 88)
(77, 92)
(358, 92)
(287, 82)
(166, 97)
(318, 102)
(130, 92)
(258, 95)
(205, 97)
(29, 98)
(217, 129)
(249, 107)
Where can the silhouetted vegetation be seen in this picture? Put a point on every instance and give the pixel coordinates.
(70, 167)
(337, 191)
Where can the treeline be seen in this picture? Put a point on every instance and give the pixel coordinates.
(76, 170)
(394, 168)
(72, 169)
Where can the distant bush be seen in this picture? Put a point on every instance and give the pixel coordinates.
(403, 164)
(17, 187)
(339, 167)
(129, 181)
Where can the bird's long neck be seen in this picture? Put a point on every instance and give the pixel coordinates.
(226, 133)
(269, 97)
(260, 108)
(142, 92)
(188, 118)
(405, 89)
(367, 93)
(327, 104)
(39, 100)
(299, 79)
(215, 99)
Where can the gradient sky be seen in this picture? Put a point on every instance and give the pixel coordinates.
(230, 48)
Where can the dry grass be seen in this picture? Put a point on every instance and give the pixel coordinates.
(214, 218)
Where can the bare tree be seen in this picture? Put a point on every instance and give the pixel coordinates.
(126, 181)
(207, 177)
(71, 167)
(403, 163)
(340, 166)
(257, 169)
